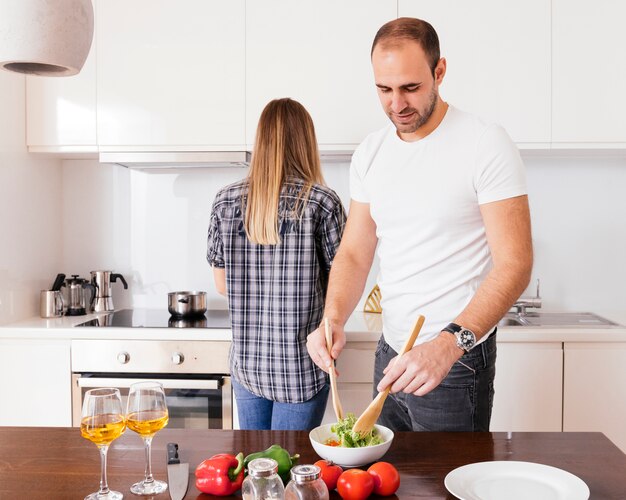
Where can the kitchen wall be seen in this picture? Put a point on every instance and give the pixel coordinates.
(151, 227)
(31, 240)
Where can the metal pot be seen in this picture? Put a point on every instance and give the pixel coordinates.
(186, 304)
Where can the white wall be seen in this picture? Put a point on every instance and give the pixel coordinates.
(578, 210)
(31, 237)
(152, 228)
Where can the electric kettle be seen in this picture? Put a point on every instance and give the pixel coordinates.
(102, 280)
(77, 303)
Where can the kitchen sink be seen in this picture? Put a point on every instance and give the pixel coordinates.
(555, 319)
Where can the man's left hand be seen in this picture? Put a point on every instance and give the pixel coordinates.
(423, 368)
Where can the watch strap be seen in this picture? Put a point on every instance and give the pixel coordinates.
(452, 328)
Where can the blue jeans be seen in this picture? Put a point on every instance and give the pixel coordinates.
(462, 402)
(257, 413)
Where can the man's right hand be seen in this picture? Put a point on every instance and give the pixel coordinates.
(316, 345)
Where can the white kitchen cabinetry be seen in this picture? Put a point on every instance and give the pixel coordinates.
(498, 56)
(61, 112)
(594, 395)
(528, 387)
(35, 383)
(171, 76)
(356, 373)
(589, 73)
(319, 54)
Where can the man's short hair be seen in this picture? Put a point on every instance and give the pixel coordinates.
(394, 32)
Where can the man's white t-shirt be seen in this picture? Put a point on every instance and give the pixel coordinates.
(424, 197)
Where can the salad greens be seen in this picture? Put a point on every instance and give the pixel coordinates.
(349, 439)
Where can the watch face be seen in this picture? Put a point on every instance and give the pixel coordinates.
(467, 339)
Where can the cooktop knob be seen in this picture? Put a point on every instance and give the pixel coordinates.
(178, 358)
(123, 357)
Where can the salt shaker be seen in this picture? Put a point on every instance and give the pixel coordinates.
(263, 481)
(306, 484)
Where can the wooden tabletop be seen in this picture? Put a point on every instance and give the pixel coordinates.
(56, 463)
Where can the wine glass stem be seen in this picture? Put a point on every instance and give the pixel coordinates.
(104, 486)
(148, 442)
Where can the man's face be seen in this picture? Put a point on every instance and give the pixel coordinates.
(407, 89)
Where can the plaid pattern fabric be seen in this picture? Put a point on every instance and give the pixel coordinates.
(276, 292)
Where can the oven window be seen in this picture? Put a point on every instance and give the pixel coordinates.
(188, 407)
(194, 408)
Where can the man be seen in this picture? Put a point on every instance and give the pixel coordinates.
(443, 195)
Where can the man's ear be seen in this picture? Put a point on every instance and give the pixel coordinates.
(440, 70)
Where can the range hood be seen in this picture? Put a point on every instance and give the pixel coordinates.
(199, 159)
(177, 159)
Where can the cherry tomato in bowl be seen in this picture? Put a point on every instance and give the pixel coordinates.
(355, 484)
(330, 473)
(386, 478)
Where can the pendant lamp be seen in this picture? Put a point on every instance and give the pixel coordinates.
(45, 37)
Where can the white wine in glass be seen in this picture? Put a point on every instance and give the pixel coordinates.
(146, 414)
(102, 421)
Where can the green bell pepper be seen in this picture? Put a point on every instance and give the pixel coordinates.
(283, 458)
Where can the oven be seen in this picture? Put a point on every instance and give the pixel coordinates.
(194, 375)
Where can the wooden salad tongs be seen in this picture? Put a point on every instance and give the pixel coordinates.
(368, 418)
(333, 374)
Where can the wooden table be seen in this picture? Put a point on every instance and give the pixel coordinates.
(56, 463)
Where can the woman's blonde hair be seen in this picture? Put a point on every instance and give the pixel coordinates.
(285, 146)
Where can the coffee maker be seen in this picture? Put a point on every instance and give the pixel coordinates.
(77, 303)
(102, 280)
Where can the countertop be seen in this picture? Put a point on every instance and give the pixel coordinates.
(56, 463)
(361, 327)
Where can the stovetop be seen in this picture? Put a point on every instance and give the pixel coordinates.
(157, 318)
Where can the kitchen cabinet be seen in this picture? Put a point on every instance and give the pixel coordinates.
(589, 73)
(170, 76)
(35, 383)
(319, 54)
(594, 391)
(498, 61)
(61, 112)
(528, 387)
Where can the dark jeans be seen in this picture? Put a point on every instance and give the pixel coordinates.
(462, 402)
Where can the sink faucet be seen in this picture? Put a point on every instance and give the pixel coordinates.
(525, 302)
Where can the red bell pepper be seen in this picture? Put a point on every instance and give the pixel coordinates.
(220, 475)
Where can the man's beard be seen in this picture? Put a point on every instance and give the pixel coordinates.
(420, 118)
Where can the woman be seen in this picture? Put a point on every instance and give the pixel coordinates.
(272, 239)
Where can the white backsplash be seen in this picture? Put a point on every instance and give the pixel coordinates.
(152, 228)
(30, 210)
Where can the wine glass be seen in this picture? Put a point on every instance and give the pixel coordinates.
(102, 421)
(146, 414)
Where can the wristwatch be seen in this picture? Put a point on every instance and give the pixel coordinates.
(465, 339)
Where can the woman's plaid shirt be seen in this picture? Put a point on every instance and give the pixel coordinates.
(276, 292)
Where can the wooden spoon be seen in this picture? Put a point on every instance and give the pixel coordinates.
(333, 374)
(368, 418)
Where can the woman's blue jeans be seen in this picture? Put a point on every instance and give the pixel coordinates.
(257, 413)
(462, 402)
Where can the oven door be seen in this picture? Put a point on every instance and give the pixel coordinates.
(197, 403)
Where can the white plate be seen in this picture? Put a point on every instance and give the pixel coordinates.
(514, 481)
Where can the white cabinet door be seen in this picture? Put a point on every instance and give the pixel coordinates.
(498, 56)
(317, 52)
(35, 383)
(594, 395)
(589, 73)
(528, 387)
(61, 112)
(171, 74)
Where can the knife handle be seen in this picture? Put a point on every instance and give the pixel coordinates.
(172, 453)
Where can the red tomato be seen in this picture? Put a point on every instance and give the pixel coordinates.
(386, 478)
(330, 473)
(355, 484)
